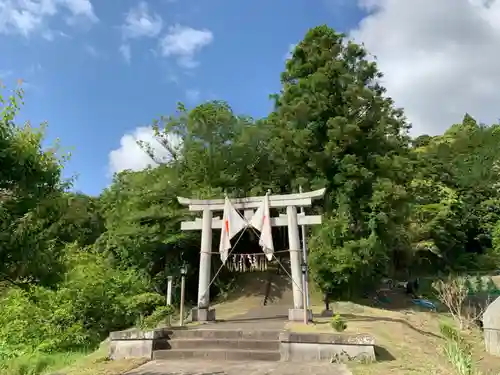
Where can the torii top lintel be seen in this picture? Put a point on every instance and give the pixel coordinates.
(299, 199)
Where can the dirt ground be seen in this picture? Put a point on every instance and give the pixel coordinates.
(407, 337)
(408, 340)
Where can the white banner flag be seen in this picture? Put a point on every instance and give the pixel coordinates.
(261, 221)
(232, 223)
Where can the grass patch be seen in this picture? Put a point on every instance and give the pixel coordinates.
(235, 307)
(407, 342)
(38, 363)
(98, 363)
(249, 292)
(78, 363)
(320, 325)
(486, 363)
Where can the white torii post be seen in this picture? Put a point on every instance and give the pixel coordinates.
(205, 261)
(292, 220)
(295, 255)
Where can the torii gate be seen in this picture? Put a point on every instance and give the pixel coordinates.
(292, 220)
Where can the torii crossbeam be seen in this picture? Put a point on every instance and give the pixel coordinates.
(291, 219)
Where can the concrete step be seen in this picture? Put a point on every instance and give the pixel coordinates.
(217, 354)
(193, 367)
(201, 343)
(221, 334)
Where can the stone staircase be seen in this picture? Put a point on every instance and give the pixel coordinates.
(218, 345)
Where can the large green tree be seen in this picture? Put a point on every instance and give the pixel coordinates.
(212, 151)
(30, 178)
(463, 161)
(334, 127)
(217, 150)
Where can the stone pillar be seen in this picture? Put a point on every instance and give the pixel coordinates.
(297, 313)
(491, 328)
(202, 312)
(295, 256)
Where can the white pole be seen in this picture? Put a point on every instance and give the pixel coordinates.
(304, 258)
(169, 296)
(205, 263)
(295, 258)
(183, 287)
(169, 290)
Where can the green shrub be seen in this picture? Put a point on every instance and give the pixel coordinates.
(341, 264)
(93, 300)
(338, 323)
(161, 314)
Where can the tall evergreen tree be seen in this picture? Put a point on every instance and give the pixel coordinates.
(334, 127)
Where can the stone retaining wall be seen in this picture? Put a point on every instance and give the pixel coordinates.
(132, 343)
(306, 347)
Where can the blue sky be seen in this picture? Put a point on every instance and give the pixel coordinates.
(98, 70)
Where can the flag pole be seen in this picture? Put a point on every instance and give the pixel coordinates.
(304, 259)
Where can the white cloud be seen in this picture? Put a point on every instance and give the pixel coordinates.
(126, 52)
(50, 35)
(27, 16)
(92, 51)
(172, 77)
(130, 155)
(440, 58)
(139, 22)
(78, 8)
(193, 95)
(183, 43)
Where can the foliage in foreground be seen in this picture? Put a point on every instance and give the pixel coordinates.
(30, 183)
(458, 351)
(38, 363)
(93, 300)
